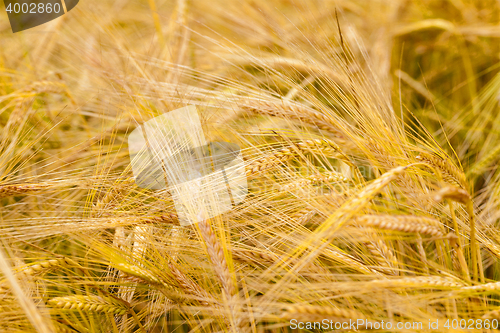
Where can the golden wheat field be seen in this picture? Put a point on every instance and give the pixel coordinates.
(369, 132)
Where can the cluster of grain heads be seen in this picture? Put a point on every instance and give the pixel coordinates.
(374, 246)
(356, 203)
(90, 303)
(315, 244)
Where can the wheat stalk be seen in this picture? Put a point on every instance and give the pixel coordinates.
(462, 196)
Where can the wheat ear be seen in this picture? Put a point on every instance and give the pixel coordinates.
(485, 162)
(190, 286)
(451, 174)
(287, 153)
(493, 286)
(21, 189)
(495, 314)
(89, 303)
(40, 268)
(404, 223)
(342, 215)
(217, 257)
(168, 218)
(339, 256)
(290, 110)
(111, 198)
(416, 282)
(328, 177)
(268, 161)
(304, 216)
(43, 266)
(138, 272)
(452, 193)
(384, 256)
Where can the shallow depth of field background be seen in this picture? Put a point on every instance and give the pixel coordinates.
(371, 133)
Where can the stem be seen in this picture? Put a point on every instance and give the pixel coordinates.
(156, 20)
(460, 253)
(473, 245)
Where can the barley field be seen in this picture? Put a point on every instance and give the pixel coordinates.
(370, 134)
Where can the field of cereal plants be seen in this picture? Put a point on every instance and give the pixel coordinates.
(370, 134)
